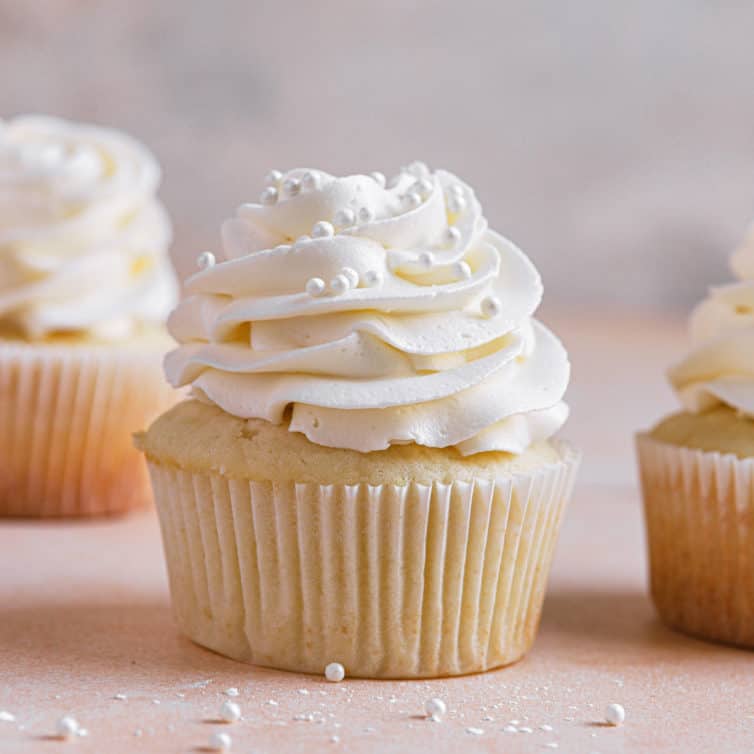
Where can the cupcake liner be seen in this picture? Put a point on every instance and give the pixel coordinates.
(66, 417)
(699, 509)
(392, 581)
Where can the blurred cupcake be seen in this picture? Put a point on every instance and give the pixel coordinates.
(365, 474)
(697, 472)
(85, 287)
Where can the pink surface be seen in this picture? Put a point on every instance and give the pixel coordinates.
(84, 615)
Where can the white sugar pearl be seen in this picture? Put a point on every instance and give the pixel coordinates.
(452, 235)
(372, 278)
(220, 742)
(205, 259)
(323, 229)
(310, 181)
(426, 259)
(339, 284)
(462, 270)
(291, 186)
(378, 178)
(412, 200)
(423, 186)
(491, 306)
(352, 275)
(435, 708)
(615, 714)
(456, 203)
(315, 287)
(456, 189)
(335, 672)
(273, 177)
(345, 217)
(366, 215)
(232, 691)
(230, 712)
(66, 727)
(269, 195)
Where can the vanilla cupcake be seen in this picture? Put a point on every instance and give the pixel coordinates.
(85, 287)
(366, 473)
(697, 472)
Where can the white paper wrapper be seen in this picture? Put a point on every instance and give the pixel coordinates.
(67, 413)
(391, 581)
(699, 509)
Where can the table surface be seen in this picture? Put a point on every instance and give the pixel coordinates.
(85, 616)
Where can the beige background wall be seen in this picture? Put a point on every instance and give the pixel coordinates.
(613, 141)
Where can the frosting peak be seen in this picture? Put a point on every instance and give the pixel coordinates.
(378, 312)
(720, 367)
(83, 240)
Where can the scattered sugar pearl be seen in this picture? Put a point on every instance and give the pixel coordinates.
(491, 306)
(339, 284)
(269, 195)
(510, 729)
(303, 692)
(232, 691)
(335, 672)
(546, 728)
(436, 709)
(366, 215)
(552, 745)
(345, 218)
(315, 287)
(310, 181)
(220, 742)
(462, 270)
(291, 186)
(475, 731)
(426, 259)
(452, 236)
(120, 697)
(82, 732)
(138, 733)
(615, 714)
(412, 200)
(423, 186)
(323, 229)
(273, 177)
(335, 739)
(525, 729)
(205, 260)
(378, 178)
(352, 275)
(230, 712)
(66, 727)
(7, 717)
(156, 701)
(456, 203)
(372, 278)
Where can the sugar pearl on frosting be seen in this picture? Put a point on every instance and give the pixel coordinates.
(315, 287)
(423, 186)
(339, 284)
(273, 178)
(291, 186)
(205, 259)
(345, 217)
(462, 270)
(335, 672)
(456, 203)
(352, 275)
(378, 178)
(426, 259)
(220, 742)
(491, 306)
(323, 229)
(366, 215)
(310, 180)
(66, 727)
(452, 235)
(372, 278)
(269, 195)
(230, 712)
(412, 200)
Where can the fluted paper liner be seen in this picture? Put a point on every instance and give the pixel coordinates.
(66, 418)
(391, 581)
(699, 509)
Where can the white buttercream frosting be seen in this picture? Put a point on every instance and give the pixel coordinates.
(376, 314)
(720, 367)
(83, 239)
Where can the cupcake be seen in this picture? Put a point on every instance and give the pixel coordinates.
(85, 288)
(365, 472)
(697, 472)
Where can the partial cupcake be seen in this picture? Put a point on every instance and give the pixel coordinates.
(85, 287)
(697, 472)
(366, 473)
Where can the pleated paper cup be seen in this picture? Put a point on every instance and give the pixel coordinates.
(67, 413)
(392, 581)
(699, 509)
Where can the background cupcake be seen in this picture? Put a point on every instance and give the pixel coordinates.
(85, 286)
(697, 472)
(365, 475)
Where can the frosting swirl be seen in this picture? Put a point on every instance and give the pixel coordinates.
(379, 314)
(720, 367)
(83, 240)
